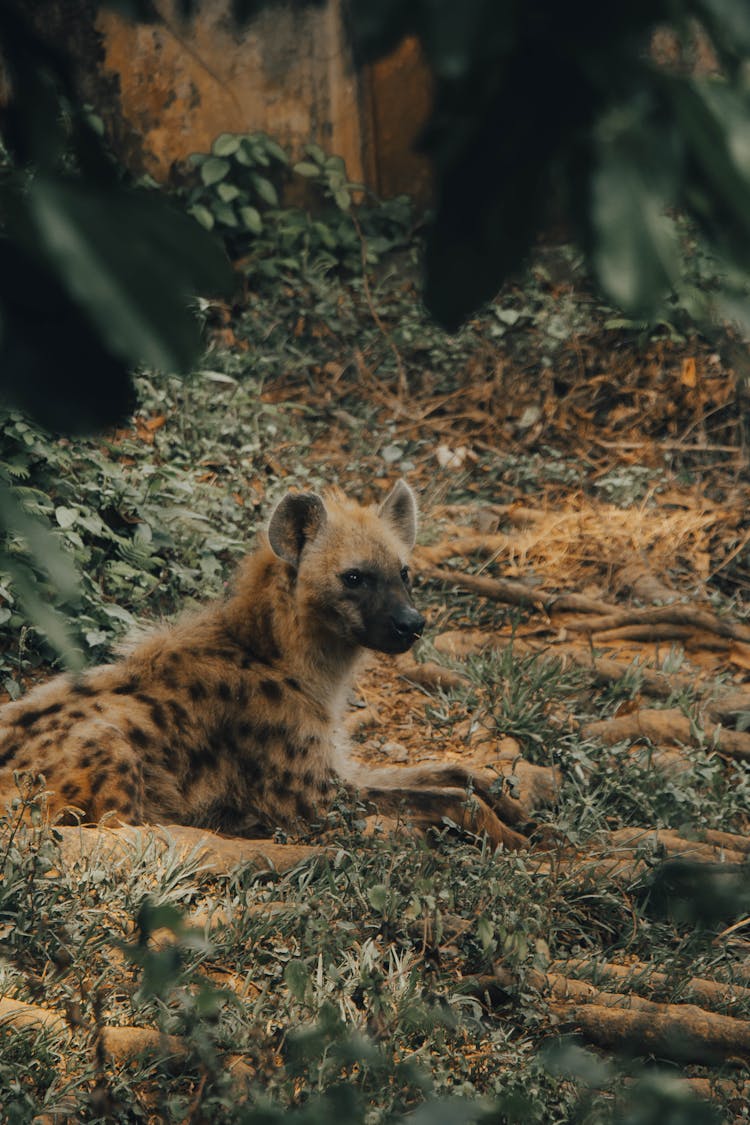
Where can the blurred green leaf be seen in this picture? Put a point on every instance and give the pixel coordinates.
(131, 261)
(225, 214)
(227, 192)
(274, 149)
(265, 190)
(636, 254)
(213, 170)
(47, 554)
(226, 144)
(297, 978)
(251, 218)
(203, 215)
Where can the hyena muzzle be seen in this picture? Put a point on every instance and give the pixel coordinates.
(231, 719)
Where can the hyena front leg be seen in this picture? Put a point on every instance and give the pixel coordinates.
(452, 776)
(427, 807)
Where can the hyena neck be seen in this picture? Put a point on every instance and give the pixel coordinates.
(265, 617)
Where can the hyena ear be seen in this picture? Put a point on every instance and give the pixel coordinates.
(399, 509)
(295, 521)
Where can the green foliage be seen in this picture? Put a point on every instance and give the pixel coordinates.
(238, 196)
(107, 526)
(329, 173)
(704, 793)
(241, 174)
(521, 698)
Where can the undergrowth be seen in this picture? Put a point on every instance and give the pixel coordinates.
(351, 984)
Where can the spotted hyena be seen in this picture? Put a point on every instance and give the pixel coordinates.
(231, 719)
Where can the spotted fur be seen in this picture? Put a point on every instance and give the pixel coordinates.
(231, 718)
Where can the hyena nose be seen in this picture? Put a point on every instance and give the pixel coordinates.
(407, 623)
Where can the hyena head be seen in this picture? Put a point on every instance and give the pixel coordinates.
(351, 563)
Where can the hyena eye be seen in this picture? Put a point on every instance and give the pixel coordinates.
(352, 579)
(405, 575)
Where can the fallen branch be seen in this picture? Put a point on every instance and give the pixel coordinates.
(669, 725)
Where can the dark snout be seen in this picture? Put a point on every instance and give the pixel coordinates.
(406, 625)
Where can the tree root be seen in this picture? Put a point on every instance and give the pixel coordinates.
(519, 593)
(18, 1014)
(669, 725)
(672, 844)
(649, 634)
(727, 706)
(604, 617)
(430, 674)
(623, 859)
(216, 854)
(729, 840)
(677, 615)
(461, 643)
(644, 978)
(683, 1032)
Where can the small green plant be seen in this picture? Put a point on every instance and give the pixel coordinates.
(329, 174)
(522, 691)
(239, 194)
(238, 178)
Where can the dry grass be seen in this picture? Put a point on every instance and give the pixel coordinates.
(583, 540)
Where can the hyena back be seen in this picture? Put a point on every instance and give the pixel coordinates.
(231, 719)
